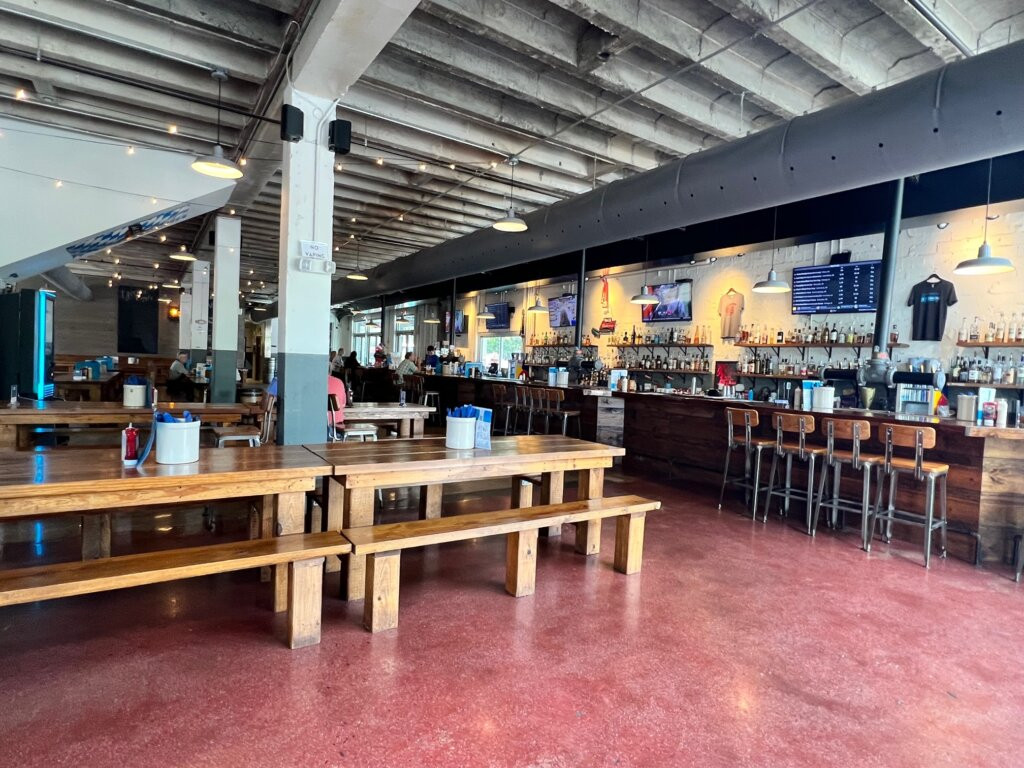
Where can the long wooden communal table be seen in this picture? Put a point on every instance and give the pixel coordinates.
(359, 469)
(106, 388)
(16, 424)
(410, 417)
(34, 485)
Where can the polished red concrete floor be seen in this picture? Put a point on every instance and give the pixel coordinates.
(740, 644)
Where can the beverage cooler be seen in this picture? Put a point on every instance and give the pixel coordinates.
(26, 343)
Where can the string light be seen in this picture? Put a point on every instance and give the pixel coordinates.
(380, 161)
(242, 161)
(339, 167)
(163, 238)
(58, 184)
(130, 150)
(172, 128)
(21, 94)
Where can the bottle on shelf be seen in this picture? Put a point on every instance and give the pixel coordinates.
(894, 335)
(962, 335)
(975, 334)
(1001, 328)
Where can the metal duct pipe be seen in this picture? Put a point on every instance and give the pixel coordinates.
(581, 291)
(887, 278)
(67, 281)
(966, 111)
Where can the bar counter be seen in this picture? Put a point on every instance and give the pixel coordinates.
(685, 437)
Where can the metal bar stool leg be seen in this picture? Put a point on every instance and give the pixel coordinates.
(929, 518)
(810, 493)
(757, 481)
(771, 486)
(942, 511)
(725, 476)
(821, 497)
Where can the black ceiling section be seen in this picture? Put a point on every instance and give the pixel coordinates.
(842, 215)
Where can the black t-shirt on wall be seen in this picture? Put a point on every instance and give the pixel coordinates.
(930, 300)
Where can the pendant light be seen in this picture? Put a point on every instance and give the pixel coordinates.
(772, 284)
(181, 254)
(645, 296)
(357, 274)
(216, 164)
(372, 325)
(511, 222)
(537, 307)
(486, 314)
(985, 263)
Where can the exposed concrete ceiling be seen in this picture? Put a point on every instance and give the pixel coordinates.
(584, 91)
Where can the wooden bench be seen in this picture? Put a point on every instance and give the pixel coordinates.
(384, 544)
(303, 553)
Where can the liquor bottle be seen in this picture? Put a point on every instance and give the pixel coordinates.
(964, 331)
(975, 333)
(1020, 330)
(833, 335)
(780, 336)
(894, 334)
(1011, 329)
(990, 332)
(1001, 328)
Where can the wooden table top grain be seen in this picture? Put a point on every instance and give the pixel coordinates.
(63, 412)
(431, 460)
(355, 411)
(28, 476)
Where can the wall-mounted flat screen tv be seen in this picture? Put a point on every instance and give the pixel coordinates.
(502, 320)
(562, 312)
(675, 303)
(460, 322)
(835, 288)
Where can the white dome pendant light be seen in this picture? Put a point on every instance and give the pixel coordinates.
(772, 284)
(511, 222)
(645, 297)
(216, 164)
(985, 263)
(357, 274)
(486, 314)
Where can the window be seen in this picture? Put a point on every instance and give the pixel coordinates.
(498, 349)
(364, 342)
(404, 340)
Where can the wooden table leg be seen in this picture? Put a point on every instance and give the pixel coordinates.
(289, 517)
(404, 428)
(265, 513)
(334, 503)
(8, 437)
(358, 513)
(24, 439)
(380, 611)
(588, 533)
(431, 497)
(95, 536)
(417, 426)
(552, 491)
(522, 493)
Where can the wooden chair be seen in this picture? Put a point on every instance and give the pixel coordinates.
(384, 544)
(854, 431)
(254, 435)
(752, 448)
(556, 407)
(802, 425)
(931, 473)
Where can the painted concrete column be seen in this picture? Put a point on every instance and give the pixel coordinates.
(304, 304)
(226, 253)
(194, 323)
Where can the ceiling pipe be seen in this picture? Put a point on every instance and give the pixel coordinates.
(68, 282)
(966, 111)
(933, 18)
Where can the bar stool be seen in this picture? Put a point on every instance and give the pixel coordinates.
(750, 445)
(556, 408)
(854, 430)
(930, 472)
(433, 400)
(802, 425)
(536, 405)
(500, 399)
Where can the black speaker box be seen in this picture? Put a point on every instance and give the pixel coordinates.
(339, 136)
(291, 123)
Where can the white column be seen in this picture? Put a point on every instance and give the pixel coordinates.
(226, 253)
(199, 317)
(307, 203)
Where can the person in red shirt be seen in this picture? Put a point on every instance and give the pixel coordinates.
(336, 387)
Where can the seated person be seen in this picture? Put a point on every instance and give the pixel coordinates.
(431, 360)
(179, 385)
(406, 367)
(336, 387)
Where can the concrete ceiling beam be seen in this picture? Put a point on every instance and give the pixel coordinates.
(235, 20)
(145, 33)
(427, 40)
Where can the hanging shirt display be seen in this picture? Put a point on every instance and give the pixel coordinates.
(930, 298)
(730, 309)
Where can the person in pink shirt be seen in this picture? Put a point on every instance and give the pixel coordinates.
(336, 387)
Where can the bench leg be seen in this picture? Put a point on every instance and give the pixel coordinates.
(430, 501)
(334, 505)
(358, 512)
(521, 563)
(552, 491)
(305, 598)
(629, 542)
(588, 537)
(405, 428)
(522, 493)
(95, 536)
(289, 517)
(380, 609)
